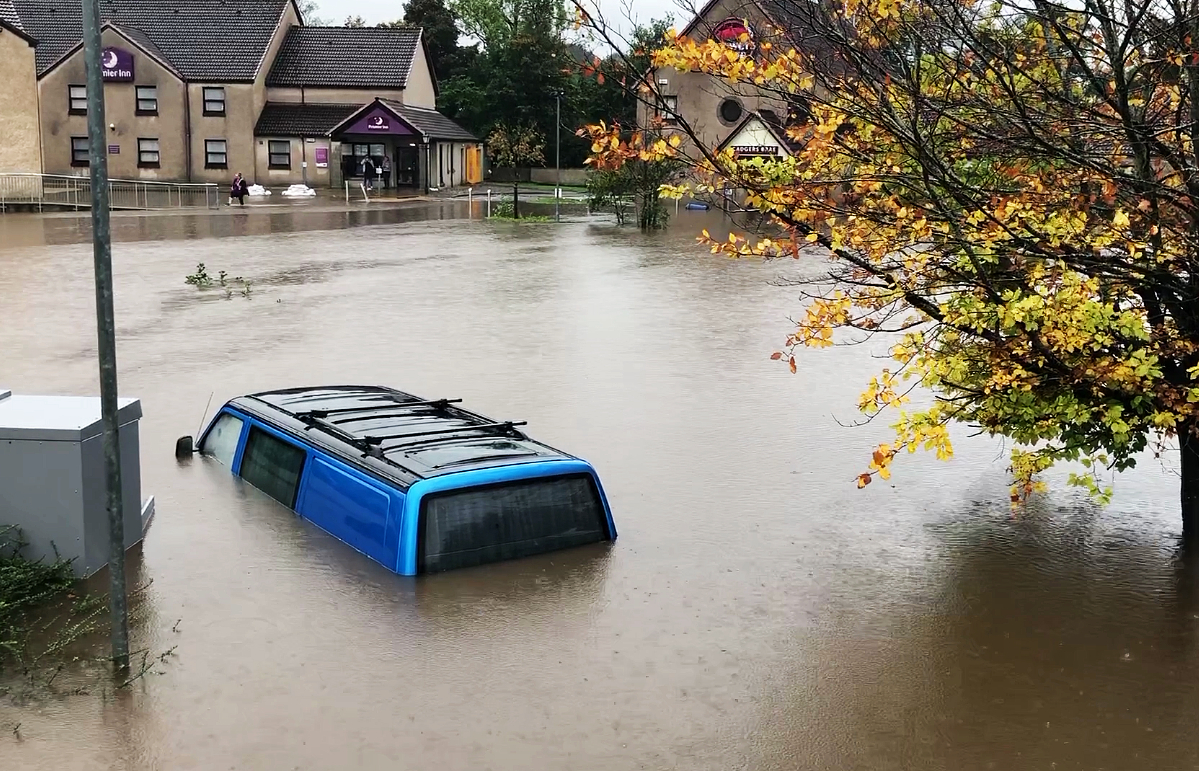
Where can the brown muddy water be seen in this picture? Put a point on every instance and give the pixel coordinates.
(757, 612)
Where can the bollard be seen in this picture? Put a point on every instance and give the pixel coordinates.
(488, 203)
(347, 192)
(470, 203)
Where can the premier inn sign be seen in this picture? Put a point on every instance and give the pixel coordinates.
(116, 65)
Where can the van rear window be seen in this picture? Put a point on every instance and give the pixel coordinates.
(460, 528)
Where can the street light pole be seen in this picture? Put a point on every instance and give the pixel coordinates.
(106, 332)
(558, 160)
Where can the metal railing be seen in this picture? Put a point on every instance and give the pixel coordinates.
(61, 191)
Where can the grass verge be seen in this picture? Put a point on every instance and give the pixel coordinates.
(49, 626)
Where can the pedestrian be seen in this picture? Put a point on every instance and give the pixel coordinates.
(239, 189)
(368, 173)
(386, 172)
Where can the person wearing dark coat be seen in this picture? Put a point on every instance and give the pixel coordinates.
(239, 189)
(368, 173)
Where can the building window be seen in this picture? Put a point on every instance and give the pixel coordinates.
(147, 100)
(731, 111)
(279, 154)
(668, 110)
(147, 153)
(214, 101)
(79, 156)
(216, 154)
(78, 97)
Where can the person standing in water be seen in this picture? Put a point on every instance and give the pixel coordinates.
(386, 169)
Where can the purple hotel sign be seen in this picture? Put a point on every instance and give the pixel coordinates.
(116, 65)
(378, 121)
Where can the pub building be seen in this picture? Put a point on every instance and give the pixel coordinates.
(751, 121)
(198, 90)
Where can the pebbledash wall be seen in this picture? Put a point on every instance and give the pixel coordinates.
(21, 149)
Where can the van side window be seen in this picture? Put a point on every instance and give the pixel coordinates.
(477, 525)
(273, 466)
(221, 442)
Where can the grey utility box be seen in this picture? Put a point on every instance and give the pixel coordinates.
(52, 476)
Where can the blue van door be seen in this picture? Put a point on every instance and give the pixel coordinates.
(350, 507)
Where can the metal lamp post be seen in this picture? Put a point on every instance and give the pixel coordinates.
(558, 159)
(106, 331)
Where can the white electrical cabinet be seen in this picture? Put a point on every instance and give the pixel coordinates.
(52, 476)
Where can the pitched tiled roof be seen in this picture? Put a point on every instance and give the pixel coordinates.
(8, 15)
(205, 40)
(145, 43)
(431, 123)
(281, 119)
(346, 57)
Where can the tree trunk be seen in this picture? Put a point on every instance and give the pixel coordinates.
(1188, 444)
(516, 200)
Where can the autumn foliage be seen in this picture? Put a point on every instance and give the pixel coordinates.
(1009, 192)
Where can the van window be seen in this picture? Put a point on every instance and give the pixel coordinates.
(221, 441)
(460, 528)
(273, 466)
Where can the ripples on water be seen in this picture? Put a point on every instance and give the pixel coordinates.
(758, 611)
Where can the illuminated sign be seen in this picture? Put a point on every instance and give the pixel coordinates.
(116, 64)
(735, 34)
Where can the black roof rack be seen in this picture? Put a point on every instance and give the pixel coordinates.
(491, 428)
(397, 405)
(408, 438)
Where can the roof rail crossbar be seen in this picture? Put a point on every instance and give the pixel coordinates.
(438, 403)
(310, 421)
(381, 413)
(507, 425)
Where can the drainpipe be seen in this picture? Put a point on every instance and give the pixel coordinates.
(428, 166)
(187, 130)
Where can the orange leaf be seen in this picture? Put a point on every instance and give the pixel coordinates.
(776, 355)
(864, 480)
(600, 78)
(792, 365)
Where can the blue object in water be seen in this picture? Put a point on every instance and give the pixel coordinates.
(417, 485)
(697, 205)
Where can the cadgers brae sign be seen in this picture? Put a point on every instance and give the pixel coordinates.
(116, 64)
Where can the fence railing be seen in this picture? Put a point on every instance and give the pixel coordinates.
(63, 191)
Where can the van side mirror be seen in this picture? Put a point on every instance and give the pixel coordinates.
(185, 447)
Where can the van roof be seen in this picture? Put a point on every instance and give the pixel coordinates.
(395, 434)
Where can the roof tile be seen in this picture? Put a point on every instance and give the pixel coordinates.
(280, 119)
(431, 123)
(346, 57)
(206, 40)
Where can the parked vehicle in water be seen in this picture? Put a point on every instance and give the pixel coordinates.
(418, 485)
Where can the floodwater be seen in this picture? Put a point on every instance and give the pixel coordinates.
(757, 612)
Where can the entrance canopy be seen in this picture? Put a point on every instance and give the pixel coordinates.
(384, 117)
(381, 118)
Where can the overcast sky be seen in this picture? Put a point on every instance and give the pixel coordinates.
(374, 11)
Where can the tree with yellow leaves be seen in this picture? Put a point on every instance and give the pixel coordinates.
(1009, 191)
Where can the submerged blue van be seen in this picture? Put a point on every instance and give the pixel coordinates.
(418, 485)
